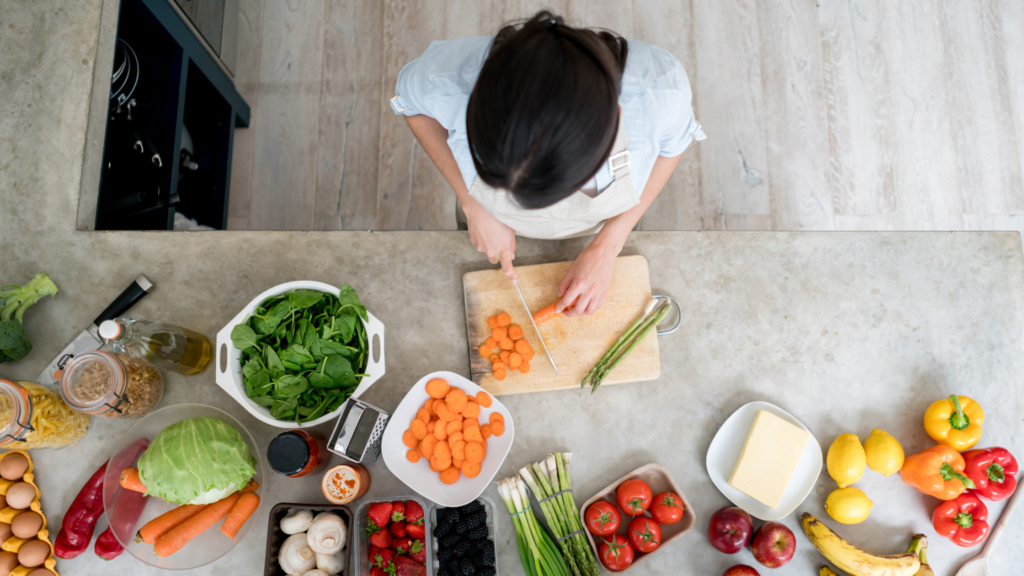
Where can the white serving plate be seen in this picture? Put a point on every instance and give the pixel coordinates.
(725, 449)
(229, 372)
(419, 476)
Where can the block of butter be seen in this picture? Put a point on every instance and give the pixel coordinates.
(769, 456)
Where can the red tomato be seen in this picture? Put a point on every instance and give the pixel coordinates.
(667, 508)
(644, 534)
(603, 518)
(616, 553)
(634, 497)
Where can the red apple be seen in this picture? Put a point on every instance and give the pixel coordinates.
(773, 545)
(741, 570)
(729, 530)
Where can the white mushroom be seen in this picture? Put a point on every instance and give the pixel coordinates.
(326, 534)
(297, 521)
(296, 557)
(316, 573)
(330, 563)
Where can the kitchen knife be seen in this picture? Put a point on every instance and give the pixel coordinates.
(530, 314)
(90, 339)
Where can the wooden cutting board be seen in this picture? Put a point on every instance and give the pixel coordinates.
(576, 344)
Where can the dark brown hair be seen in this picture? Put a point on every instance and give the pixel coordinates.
(543, 114)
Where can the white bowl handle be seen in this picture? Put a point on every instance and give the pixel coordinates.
(225, 379)
(374, 370)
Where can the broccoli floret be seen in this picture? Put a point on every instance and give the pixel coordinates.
(14, 300)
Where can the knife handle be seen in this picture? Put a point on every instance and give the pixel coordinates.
(139, 288)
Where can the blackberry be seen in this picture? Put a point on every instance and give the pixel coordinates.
(486, 557)
(481, 544)
(486, 571)
(463, 548)
(467, 568)
(478, 533)
(444, 572)
(445, 554)
(450, 540)
(476, 519)
(461, 527)
(441, 530)
(472, 507)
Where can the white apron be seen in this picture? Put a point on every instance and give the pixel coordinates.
(576, 215)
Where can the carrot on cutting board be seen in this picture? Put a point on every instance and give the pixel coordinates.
(160, 525)
(515, 332)
(240, 512)
(522, 346)
(499, 334)
(130, 480)
(492, 321)
(504, 319)
(185, 532)
(524, 367)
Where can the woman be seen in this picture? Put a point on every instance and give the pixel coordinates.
(550, 131)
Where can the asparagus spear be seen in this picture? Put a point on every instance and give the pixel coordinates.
(641, 332)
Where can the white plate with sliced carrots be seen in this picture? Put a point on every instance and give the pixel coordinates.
(445, 416)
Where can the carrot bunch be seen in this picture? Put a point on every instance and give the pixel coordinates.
(447, 431)
(506, 348)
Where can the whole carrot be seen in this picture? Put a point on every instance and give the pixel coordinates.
(130, 480)
(240, 512)
(252, 486)
(163, 523)
(183, 533)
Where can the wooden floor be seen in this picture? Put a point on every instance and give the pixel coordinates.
(840, 115)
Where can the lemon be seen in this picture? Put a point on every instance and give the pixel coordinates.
(884, 453)
(846, 460)
(848, 505)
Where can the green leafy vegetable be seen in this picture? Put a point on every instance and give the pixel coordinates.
(304, 352)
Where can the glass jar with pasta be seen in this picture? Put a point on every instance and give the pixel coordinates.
(32, 416)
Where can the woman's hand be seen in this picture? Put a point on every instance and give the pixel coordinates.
(586, 281)
(491, 237)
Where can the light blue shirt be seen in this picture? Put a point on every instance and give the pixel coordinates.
(656, 112)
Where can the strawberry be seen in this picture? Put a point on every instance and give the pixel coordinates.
(378, 571)
(384, 558)
(373, 551)
(405, 566)
(413, 512)
(379, 514)
(401, 545)
(418, 552)
(381, 539)
(397, 529)
(397, 511)
(415, 530)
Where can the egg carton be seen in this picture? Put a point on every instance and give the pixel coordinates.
(8, 514)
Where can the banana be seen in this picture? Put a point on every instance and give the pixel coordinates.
(853, 560)
(919, 546)
(826, 571)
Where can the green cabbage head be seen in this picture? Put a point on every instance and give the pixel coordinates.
(196, 461)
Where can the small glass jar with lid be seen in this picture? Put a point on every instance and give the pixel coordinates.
(32, 417)
(111, 385)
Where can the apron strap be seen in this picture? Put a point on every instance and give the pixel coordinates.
(620, 158)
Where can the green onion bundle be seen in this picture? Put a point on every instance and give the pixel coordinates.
(629, 340)
(553, 489)
(537, 552)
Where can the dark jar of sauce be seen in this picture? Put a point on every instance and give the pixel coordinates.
(296, 453)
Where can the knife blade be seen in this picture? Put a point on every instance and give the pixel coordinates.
(530, 314)
(89, 339)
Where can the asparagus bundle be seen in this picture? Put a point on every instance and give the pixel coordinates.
(537, 552)
(560, 511)
(626, 343)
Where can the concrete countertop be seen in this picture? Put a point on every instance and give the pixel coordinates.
(846, 331)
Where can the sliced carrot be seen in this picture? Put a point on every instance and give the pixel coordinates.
(522, 346)
(160, 525)
(472, 434)
(455, 437)
(442, 450)
(469, 422)
(423, 415)
(427, 446)
(485, 431)
(504, 319)
(456, 400)
(494, 358)
(185, 532)
(437, 388)
(484, 399)
(472, 410)
(495, 417)
(438, 464)
(450, 475)
(413, 455)
(492, 321)
(490, 342)
(516, 369)
(435, 404)
(444, 413)
(485, 351)
(441, 432)
(528, 356)
(431, 425)
(506, 344)
(524, 367)
(240, 512)
(130, 480)
(499, 374)
(458, 463)
(470, 469)
(499, 334)
(498, 366)
(419, 429)
(514, 360)
(515, 332)
(453, 427)
(459, 450)
(475, 452)
(498, 428)
(458, 418)
(409, 440)
(505, 355)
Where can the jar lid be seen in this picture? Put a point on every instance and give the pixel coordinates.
(15, 412)
(109, 329)
(288, 453)
(341, 484)
(93, 382)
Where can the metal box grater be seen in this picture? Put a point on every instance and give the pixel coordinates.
(358, 433)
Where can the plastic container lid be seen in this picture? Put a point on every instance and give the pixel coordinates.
(288, 453)
(93, 382)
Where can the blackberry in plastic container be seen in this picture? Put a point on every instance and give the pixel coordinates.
(463, 548)
(444, 554)
(467, 568)
(486, 571)
(476, 519)
(471, 508)
(478, 533)
(487, 556)
(449, 540)
(444, 572)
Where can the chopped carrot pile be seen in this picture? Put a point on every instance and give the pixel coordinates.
(506, 348)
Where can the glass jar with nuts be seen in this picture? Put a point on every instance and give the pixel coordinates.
(111, 385)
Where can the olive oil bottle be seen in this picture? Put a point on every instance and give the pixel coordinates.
(165, 346)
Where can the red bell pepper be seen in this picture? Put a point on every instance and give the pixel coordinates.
(80, 519)
(963, 520)
(107, 546)
(993, 471)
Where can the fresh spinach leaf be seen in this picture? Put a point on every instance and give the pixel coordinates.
(244, 337)
(264, 401)
(273, 360)
(339, 369)
(304, 298)
(288, 386)
(332, 347)
(296, 354)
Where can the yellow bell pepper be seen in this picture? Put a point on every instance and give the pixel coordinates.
(955, 422)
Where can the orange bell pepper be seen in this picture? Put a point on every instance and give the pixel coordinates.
(938, 472)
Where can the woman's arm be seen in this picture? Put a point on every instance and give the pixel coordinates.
(490, 236)
(588, 277)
